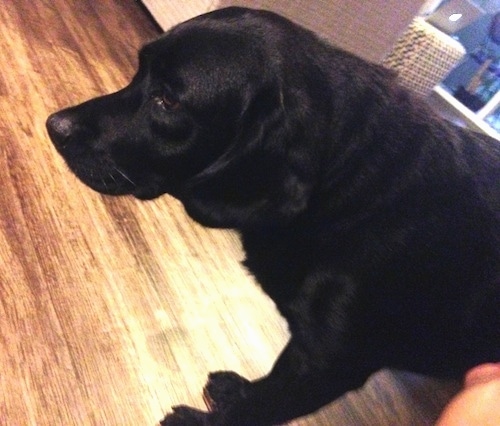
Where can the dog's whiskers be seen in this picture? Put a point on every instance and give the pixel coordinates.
(124, 176)
(104, 184)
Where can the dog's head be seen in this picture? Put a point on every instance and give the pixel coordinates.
(223, 113)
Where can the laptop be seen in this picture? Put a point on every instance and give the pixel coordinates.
(454, 15)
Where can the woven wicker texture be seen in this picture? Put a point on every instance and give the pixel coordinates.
(423, 56)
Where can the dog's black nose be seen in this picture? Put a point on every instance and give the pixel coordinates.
(61, 126)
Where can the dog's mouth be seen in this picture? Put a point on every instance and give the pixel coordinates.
(107, 178)
(116, 182)
(103, 177)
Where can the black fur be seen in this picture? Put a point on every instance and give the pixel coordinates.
(371, 223)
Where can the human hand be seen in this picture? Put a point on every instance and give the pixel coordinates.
(478, 404)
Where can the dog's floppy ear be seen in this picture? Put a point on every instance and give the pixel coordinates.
(263, 178)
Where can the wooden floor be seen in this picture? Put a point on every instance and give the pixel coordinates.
(111, 309)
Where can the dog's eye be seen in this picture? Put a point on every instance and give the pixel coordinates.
(167, 103)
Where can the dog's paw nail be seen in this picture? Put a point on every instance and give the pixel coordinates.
(209, 402)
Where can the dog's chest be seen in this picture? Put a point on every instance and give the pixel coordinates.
(279, 261)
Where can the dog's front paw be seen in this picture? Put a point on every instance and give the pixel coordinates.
(224, 390)
(185, 416)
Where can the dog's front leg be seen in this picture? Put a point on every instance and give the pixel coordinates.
(323, 360)
(294, 387)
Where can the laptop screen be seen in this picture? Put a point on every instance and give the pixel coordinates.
(454, 15)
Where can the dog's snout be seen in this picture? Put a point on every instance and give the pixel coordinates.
(61, 127)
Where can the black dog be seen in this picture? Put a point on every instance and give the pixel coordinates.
(371, 223)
